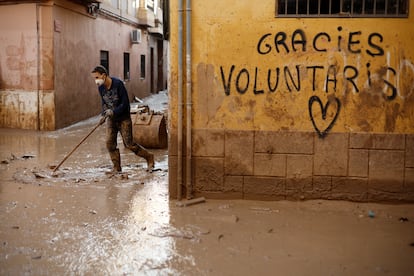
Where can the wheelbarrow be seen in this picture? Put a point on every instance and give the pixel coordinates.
(148, 127)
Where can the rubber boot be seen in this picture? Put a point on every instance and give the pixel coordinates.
(116, 160)
(149, 157)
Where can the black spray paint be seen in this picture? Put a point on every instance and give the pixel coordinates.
(291, 78)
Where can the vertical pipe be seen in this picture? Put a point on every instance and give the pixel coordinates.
(38, 63)
(189, 99)
(180, 101)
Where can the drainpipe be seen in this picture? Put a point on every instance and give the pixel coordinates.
(38, 63)
(180, 101)
(189, 187)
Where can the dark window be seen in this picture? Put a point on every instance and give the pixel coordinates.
(342, 8)
(105, 60)
(142, 66)
(126, 66)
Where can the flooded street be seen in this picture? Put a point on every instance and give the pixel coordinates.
(85, 222)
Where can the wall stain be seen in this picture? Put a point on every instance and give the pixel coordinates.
(392, 112)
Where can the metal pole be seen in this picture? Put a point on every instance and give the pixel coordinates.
(180, 101)
(189, 187)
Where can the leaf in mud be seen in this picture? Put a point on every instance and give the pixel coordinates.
(15, 227)
(37, 257)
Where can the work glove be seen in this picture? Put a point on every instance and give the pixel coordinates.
(102, 120)
(108, 113)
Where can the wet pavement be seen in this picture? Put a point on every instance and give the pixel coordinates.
(85, 222)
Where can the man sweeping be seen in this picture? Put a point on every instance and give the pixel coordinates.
(116, 112)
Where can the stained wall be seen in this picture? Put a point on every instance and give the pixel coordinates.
(296, 108)
(45, 71)
(25, 79)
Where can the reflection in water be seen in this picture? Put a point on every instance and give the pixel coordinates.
(127, 245)
(89, 223)
(50, 147)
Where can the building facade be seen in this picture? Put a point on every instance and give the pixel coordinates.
(280, 99)
(48, 49)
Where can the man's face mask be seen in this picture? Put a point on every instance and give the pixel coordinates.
(99, 82)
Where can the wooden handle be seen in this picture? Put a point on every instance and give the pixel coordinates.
(77, 146)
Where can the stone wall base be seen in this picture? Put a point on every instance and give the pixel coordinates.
(266, 165)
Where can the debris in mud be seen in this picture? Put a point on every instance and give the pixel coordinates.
(224, 206)
(8, 160)
(118, 175)
(234, 218)
(42, 175)
(93, 212)
(14, 157)
(371, 214)
(188, 202)
(24, 177)
(28, 156)
(204, 232)
(403, 219)
(261, 209)
(220, 237)
(37, 257)
(187, 234)
(39, 175)
(58, 174)
(16, 227)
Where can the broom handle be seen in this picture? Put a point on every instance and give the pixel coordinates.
(77, 146)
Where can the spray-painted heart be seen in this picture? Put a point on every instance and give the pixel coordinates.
(323, 133)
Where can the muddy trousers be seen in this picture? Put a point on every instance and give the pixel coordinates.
(125, 128)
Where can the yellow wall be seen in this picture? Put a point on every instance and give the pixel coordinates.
(338, 125)
(228, 35)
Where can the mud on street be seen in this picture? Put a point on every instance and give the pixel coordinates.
(85, 222)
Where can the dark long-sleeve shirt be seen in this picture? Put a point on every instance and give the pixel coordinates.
(116, 99)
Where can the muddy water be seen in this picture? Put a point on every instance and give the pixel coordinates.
(85, 222)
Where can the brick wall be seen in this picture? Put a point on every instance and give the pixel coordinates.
(270, 165)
